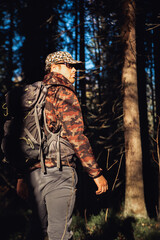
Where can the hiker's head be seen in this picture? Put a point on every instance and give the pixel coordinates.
(63, 63)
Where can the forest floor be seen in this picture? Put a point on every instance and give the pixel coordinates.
(15, 223)
(114, 227)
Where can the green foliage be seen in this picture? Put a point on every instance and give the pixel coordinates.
(96, 223)
(115, 228)
(78, 228)
(146, 229)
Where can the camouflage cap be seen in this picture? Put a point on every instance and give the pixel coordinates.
(59, 57)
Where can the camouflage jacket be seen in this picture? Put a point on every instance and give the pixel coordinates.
(63, 109)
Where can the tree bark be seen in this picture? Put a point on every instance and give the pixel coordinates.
(142, 94)
(76, 33)
(157, 91)
(82, 83)
(134, 189)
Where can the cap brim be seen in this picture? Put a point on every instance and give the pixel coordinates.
(70, 62)
(74, 62)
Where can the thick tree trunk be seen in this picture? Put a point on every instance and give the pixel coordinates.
(134, 191)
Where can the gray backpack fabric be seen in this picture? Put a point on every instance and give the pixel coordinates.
(24, 135)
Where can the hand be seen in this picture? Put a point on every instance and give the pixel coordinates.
(102, 184)
(22, 189)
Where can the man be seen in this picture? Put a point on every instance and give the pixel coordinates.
(54, 192)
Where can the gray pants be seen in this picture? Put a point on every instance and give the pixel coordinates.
(54, 199)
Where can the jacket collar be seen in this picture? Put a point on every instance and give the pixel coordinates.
(57, 79)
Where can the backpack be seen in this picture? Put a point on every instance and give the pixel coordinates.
(25, 140)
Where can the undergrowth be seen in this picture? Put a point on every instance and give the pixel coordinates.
(103, 226)
(97, 227)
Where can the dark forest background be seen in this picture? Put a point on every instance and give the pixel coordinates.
(91, 30)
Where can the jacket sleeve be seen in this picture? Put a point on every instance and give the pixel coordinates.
(70, 116)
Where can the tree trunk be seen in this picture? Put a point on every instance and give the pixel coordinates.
(10, 48)
(134, 190)
(142, 90)
(76, 33)
(82, 83)
(157, 91)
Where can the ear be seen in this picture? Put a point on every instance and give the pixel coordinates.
(53, 66)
